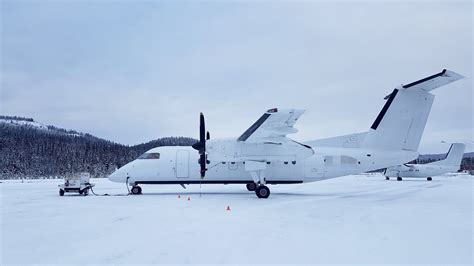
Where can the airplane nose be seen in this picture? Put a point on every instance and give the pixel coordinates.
(117, 176)
(113, 176)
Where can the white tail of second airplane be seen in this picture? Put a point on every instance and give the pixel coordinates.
(454, 155)
(401, 122)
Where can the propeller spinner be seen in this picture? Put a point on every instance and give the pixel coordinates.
(201, 145)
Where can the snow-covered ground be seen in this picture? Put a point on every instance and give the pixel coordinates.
(353, 219)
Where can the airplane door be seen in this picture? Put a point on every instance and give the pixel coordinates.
(182, 164)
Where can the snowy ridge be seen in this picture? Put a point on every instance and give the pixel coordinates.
(27, 123)
(31, 149)
(30, 123)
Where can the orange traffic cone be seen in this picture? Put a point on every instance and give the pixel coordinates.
(189, 198)
(228, 208)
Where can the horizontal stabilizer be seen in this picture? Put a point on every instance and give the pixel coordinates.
(432, 82)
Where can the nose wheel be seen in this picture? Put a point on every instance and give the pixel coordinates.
(262, 192)
(136, 190)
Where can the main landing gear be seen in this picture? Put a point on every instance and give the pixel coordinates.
(399, 179)
(429, 178)
(251, 186)
(136, 190)
(261, 191)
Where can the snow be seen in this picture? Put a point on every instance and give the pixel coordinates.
(352, 219)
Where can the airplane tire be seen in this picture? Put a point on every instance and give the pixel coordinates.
(429, 178)
(136, 190)
(61, 192)
(251, 186)
(85, 192)
(262, 192)
(399, 179)
(387, 178)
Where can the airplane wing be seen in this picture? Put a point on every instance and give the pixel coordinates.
(432, 82)
(272, 126)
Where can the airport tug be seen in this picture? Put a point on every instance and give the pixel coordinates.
(76, 183)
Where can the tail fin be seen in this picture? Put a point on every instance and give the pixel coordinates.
(400, 124)
(454, 155)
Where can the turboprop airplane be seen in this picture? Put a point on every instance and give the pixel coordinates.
(263, 154)
(450, 164)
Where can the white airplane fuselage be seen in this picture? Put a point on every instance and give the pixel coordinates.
(179, 165)
(450, 164)
(420, 170)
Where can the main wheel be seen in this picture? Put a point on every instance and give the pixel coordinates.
(399, 179)
(61, 192)
(262, 192)
(85, 192)
(136, 190)
(387, 178)
(429, 178)
(251, 186)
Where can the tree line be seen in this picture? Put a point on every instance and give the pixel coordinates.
(29, 152)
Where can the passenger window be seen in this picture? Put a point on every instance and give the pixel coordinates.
(151, 155)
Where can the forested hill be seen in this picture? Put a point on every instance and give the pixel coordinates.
(30, 149)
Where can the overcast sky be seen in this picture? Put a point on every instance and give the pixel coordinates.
(133, 71)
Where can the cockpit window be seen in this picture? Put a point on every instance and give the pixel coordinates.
(151, 155)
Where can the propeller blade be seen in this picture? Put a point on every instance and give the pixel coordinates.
(201, 145)
(202, 130)
(202, 163)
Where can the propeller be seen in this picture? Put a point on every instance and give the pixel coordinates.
(201, 145)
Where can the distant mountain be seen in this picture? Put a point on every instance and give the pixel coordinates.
(31, 149)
